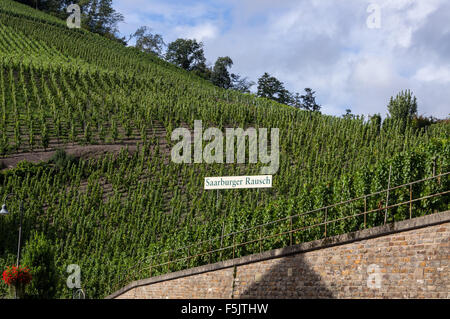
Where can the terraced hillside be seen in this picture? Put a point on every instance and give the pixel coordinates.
(122, 199)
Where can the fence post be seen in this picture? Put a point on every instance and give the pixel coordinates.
(260, 239)
(169, 263)
(189, 255)
(387, 195)
(326, 213)
(290, 228)
(221, 239)
(233, 245)
(434, 167)
(365, 210)
(151, 264)
(439, 174)
(210, 250)
(410, 201)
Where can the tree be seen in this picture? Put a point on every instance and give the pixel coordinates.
(309, 101)
(403, 108)
(102, 18)
(187, 54)
(296, 100)
(285, 97)
(348, 114)
(220, 75)
(271, 88)
(39, 256)
(241, 84)
(421, 121)
(148, 42)
(268, 86)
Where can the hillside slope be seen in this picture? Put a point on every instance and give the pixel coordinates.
(61, 88)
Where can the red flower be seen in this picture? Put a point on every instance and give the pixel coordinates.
(14, 275)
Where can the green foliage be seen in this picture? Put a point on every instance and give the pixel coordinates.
(309, 101)
(403, 108)
(62, 160)
(39, 256)
(271, 88)
(220, 75)
(186, 53)
(148, 42)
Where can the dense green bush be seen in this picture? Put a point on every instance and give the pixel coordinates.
(39, 256)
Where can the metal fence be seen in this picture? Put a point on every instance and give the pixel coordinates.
(204, 252)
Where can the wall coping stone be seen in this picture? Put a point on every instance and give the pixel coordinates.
(378, 231)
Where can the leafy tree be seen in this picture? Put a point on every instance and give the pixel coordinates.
(421, 121)
(348, 114)
(285, 97)
(186, 53)
(241, 84)
(203, 70)
(296, 100)
(403, 108)
(309, 101)
(220, 75)
(102, 18)
(39, 256)
(270, 87)
(147, 41)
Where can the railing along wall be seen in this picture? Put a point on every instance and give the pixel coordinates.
(188, 256)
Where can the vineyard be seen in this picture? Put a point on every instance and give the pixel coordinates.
(62, 88)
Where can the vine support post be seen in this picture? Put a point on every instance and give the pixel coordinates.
(326, 213)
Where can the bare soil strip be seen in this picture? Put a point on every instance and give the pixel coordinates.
(82, 151)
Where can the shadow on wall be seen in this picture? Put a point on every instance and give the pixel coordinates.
(288, 277)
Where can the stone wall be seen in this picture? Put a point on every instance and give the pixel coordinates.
(408, 259)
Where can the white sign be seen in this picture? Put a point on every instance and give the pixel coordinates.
(230, 182)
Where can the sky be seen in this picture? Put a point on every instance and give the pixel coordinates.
(355, 54)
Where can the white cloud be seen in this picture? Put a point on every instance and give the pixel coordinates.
(433, 73)
(322, 44)
(199, 32)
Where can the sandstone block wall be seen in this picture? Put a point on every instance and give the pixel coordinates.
(405, 264)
